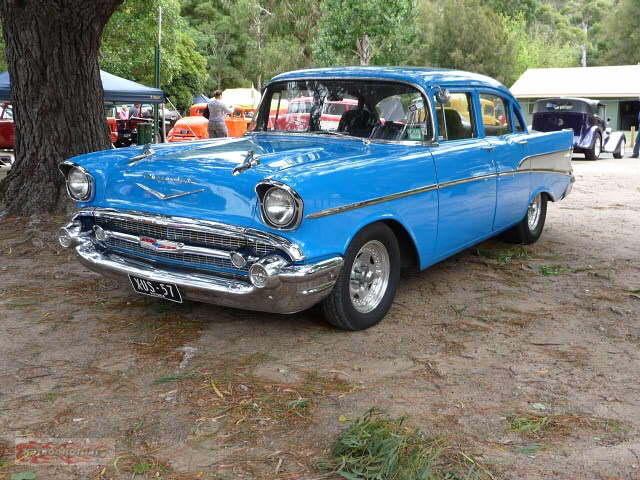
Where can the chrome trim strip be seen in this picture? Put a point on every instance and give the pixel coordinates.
(373, 201)
(441, 186)
(205, 252)
(206, 226)
(162, 196)
(263, 187)
(567, 151)
(388, 80)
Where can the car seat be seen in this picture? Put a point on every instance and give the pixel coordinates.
(358, 123)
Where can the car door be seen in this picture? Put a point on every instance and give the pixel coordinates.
(466, 176)
(508, 139)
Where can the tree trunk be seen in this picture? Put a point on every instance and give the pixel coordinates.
(52, 49)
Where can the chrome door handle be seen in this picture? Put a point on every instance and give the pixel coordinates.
(522, 142)
(488, 148)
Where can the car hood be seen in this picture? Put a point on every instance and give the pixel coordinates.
(195, 179)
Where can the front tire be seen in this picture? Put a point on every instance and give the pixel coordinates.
(367, 283)
(619, 153)
(529, 229)
(594, 152)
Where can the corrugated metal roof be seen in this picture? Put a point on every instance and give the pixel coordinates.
(590, 82)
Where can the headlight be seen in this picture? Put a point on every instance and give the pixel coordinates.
(281, 206)
(79, 182)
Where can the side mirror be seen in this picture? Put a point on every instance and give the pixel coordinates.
(442, 96)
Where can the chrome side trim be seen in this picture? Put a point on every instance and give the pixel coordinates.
(453, 183)
(373, 201)
(295, 253)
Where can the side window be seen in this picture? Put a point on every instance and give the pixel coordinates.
(495, 115)
(455, 118)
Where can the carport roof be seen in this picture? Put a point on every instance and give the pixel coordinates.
(589, 82)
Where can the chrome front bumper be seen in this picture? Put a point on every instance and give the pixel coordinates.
(291, 289)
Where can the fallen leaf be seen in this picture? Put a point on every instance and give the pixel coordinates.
(343, 419)
(539, 406)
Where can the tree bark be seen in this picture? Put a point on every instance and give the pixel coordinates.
(52, 49)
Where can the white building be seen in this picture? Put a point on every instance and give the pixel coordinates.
(618, 88)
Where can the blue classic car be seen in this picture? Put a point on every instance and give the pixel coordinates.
(422, 163)
(585, 117)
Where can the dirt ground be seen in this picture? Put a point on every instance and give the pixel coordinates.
(484, 348)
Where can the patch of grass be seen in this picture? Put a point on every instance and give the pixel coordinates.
(553, 270)
(250, 406)
(504, 255)
(377, 447)
(175, 378)
(557, 426)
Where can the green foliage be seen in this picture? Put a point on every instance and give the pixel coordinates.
(467, 35)
(384, 22)
(621, 35)
(377, 447)
(128, 48)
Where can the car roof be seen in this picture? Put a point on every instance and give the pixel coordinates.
(572, 99)
(423, 76)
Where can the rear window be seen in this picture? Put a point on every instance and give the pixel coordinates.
(562, 106)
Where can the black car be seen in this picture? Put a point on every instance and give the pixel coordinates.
(586, 118)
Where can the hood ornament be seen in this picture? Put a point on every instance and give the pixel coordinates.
(146, 153)
(249, 161)
(163, 196)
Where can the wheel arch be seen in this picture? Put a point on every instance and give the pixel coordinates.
(409, 252)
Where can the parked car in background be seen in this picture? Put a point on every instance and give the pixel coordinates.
(300, 213)
(585, 117)
(195, 125)
(7, 127)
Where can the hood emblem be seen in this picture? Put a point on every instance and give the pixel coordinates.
(249, 161)
(163, 196)
(146, 153)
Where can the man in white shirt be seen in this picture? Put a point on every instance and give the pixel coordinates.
(217, 110)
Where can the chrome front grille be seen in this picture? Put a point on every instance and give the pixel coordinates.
(187, 258)
(187, 236)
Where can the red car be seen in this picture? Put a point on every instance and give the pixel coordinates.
(7, 127)
(299, 111)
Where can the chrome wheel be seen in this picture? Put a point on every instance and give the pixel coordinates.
(369, 276)
(533, 214)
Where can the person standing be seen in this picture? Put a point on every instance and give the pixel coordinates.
(217, 109)
(124, 113)
(636, 148)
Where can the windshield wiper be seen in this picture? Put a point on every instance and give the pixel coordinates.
(366, 141)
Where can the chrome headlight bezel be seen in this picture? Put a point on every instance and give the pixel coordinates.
(67, 168)
(269, 187)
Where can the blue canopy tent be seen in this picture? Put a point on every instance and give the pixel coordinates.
(116, 90)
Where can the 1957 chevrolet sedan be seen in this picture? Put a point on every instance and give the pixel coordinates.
(296, 214)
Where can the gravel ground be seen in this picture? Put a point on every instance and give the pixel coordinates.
(490, 335)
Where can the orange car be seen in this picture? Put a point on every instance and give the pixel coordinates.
(195, 126)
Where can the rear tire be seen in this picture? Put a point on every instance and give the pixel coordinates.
(529, 229)
(594, 152)
(367, 283)
(619, 153)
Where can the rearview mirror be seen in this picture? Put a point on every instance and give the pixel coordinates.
(442, 96)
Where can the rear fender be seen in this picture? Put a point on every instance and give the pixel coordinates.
(587, 138)
(613, 141)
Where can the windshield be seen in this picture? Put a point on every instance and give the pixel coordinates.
(365, 109)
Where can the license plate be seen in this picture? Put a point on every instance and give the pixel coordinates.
(168, 291)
